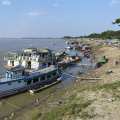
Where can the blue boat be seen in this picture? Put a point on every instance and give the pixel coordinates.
(18, 79)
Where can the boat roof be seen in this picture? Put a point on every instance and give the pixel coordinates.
(17, 68)
(37, 50)
(29, 51)
(45, 70)
(31, 75)
(44, 50)
(72, 53)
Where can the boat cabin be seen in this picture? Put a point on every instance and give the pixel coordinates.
(32, 58)
(15, 72)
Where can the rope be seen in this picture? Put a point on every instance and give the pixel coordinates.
(81, 77)
(70, 75)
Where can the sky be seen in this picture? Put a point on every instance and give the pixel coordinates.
(56, 18)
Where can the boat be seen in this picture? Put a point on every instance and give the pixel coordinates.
(31, 58)
(31, 68)
(18, 79)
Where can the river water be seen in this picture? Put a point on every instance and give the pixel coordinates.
(8, 44)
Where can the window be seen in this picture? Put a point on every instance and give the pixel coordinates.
(42, 78)
(28, 82)
(35, 80)
(48, 76)
(19, 81)
(23, 73)
(39, 78)
(54, 74)
(49, 64)
(43, 55)
(12, 63)
(9, 83)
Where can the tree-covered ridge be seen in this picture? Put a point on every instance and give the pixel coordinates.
(109, 34)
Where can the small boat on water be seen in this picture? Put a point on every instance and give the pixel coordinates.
(17, 79)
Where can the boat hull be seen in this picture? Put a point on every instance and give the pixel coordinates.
(12, 92)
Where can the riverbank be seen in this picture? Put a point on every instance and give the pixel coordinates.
(83, 100)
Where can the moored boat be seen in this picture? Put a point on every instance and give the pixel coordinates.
(18, 79)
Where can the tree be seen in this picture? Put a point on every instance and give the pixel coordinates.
(117, 21)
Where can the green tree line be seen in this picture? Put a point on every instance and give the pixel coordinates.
(109, 34)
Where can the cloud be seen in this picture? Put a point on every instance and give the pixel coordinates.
(6, 2)
(114, 2)
(37, 13)
(55, 4)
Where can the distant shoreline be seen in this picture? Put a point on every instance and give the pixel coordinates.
(29, 38)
